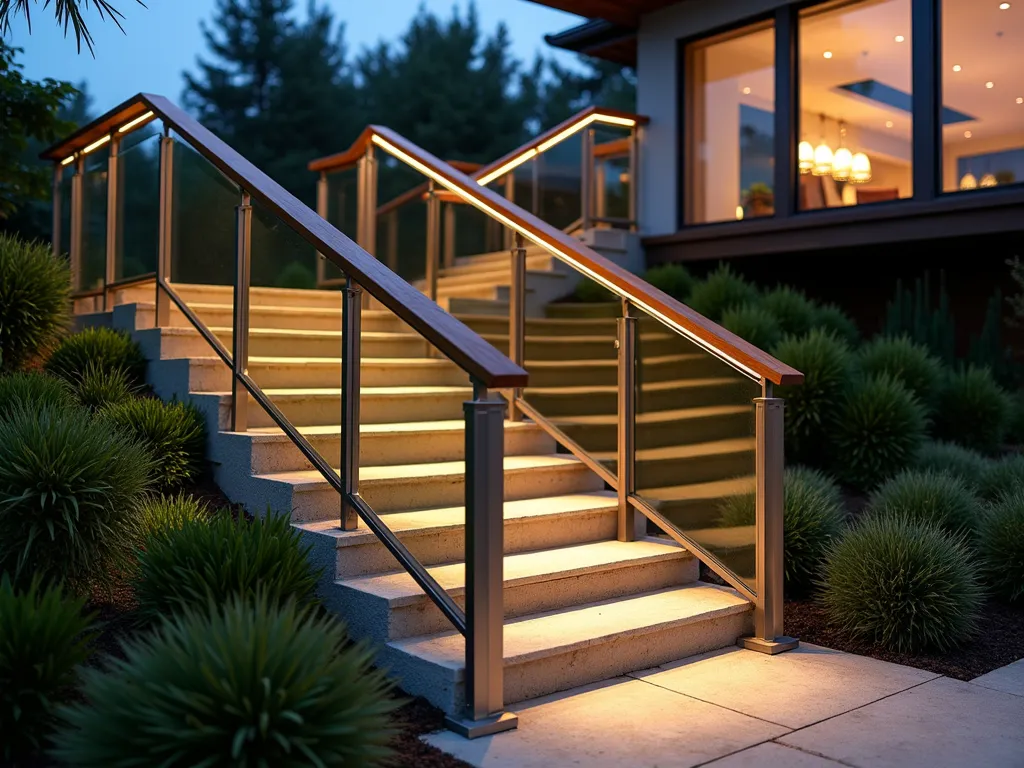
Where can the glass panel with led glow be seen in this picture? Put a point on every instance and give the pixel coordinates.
(982, 83)
(138, 204)
(855, 103)
(730, 156)
(94, 220)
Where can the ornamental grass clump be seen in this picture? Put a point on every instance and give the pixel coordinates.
(189, 565)
(722, 290)
(936, 498)
(830, 318)
(33, 390)
(911, 364)
(161, 513)
(754, 324)
(1002, 476)
(902, 584)
(43, 638)
(100, 387)
(972, 410)
(962, 463)
(101, 348)
(1001, 546)
(794, 311)
(244, 683)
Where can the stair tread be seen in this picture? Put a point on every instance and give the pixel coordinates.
(653, 417)
(701, 491)
(560, 631)
(336, 391)
(402, 362)
(651, 386)
(418, 520)
(412, 427)
(728, 537)
(687, 450)
(399, 588)
(605, 362)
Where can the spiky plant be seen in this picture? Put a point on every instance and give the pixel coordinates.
(962, 463)
(794, 311)
(673, 279)
(69, 485)
(33, 390)
(35, 291)
(931, 497)
(99, 387)
(909, 363)
(902, 584)
(199, 561)
(1002, 476)
(830, 318)
(245, 683)
(102, 348)
(723, 289)
(1001, 546)
(754, 324)
(43, 639)
(161, 513)
(175, 433)
(880, 429)
(972, 410)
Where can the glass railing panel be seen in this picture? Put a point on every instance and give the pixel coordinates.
(402, 239)
(138, 204)
(695, 444)
(66, 182)
(475, 232)
(523, 188)
(611, 202)
(343, 213)
(560, 179)
(94, 221)
(280, 258)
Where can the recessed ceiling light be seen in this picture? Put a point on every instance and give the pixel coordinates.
(1004, 6)
(900, 38)
(827, 54)
(967, 134)
(1020, 100)
(956, 67)
(990, 84)
(746, 90)
(888, 123)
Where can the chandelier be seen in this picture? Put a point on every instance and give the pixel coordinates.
(841, 165)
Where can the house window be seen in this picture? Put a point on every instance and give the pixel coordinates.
(730, 126)
(855, 103)
(982, 94)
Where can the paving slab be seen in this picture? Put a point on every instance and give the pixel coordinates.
(623, 722)
(940, 723)
(772, 755)
(794, 689)
(1009, 679)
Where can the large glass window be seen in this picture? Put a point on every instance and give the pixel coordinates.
(730, 126)
(982, 93)
(855, 103)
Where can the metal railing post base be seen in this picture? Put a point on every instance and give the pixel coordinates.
(474, 729)
(770, 647)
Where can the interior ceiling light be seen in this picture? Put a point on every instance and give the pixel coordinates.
(956, 67)
(900, 38)
(967, 134)
(827, 54)
(1004, 6)
(1020, 99)
(888, 123)
(990, 84)
(746, 90)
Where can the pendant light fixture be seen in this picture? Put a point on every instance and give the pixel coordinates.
(842, 161)
(805, 154)
(989, 180)
(822, 154)
(969, 181)
(860, 172)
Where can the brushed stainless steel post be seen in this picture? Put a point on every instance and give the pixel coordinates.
(351, 328)
(370, 160)
(240, 326)
(535, 210)
(433, 240)
(485, 613)
(587, 179)
(55, 228)
(634, 177)
(509, 192)
(110, 267)
(600, 189)
(517, 320)
(321, 208)
(449, 235)
(163, 261)
(629, 521)
(768, 619)
(75, 246)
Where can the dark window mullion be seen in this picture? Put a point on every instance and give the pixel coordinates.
(787, 111)
(927, 87)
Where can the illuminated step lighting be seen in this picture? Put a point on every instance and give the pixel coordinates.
(140, 119)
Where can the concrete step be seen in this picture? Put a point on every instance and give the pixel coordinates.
(418, 486)
(391, 606)
(265, 450)
(694, 463)
(600, 399)
(558, 650)
(222, 294)
(481, 260)
(437, 536)
(501, 261)
(541, 326)
(495, 275)
(589, 347)
(580, 309)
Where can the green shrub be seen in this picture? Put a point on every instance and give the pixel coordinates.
(35, 296)
(962, 463)
(160, 513)
(812, 516)
(831, 318)
(902, 584)
(1005, 475)
(242, 684)
(592, 292)
(673, 279)
(1001, 546)
(68, 489)
(794, 311)
(880, 430)
(1015, 424)
(754, 324)
(296, 275)
(200, 561)
(928, 497)
(909, 363)
(722, 290)
(104, 348)
(175, 433)
(812, 407)
(972, 410)
(33, 390)
(43, 639)
(99, 387)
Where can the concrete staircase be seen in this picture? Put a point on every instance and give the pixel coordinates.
(580, 606)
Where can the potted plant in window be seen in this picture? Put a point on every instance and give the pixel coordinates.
(758, 200)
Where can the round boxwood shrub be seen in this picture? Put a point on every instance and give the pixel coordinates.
(794, 311)
(199, 561)
(103, 348)
(754, 324)
(972, 409)
(175, 433)
(962, 463)
(1002, 476)
(831, 318)
(723, 289)
(673, 279)
(99, 387)
(33, 390)
(902, 584)
(936, 498)
(1001, 546)
(43, 639)
(160, 513)
(812, 407)
(812, 517)
(35, 296)
(69, 485)
(240, 684)
(911, 364)
(880, 429)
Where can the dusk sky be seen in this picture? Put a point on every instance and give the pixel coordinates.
(164, 39)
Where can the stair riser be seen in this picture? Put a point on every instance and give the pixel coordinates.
(696, 469)
(570, 348)
(554, 404)
(322, 410)
(193, 345)
(603, 437)
(501, 275)
(222, 294)
(538, 260)
(570, 374)
(498, 326)
(371, 617)
(259, 317)
(585, 310)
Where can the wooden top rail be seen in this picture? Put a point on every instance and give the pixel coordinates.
(468, 350)
(743, 355)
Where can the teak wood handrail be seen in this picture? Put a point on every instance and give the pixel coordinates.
(463, 346)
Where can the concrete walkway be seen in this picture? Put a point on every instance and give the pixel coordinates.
(809, 708)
